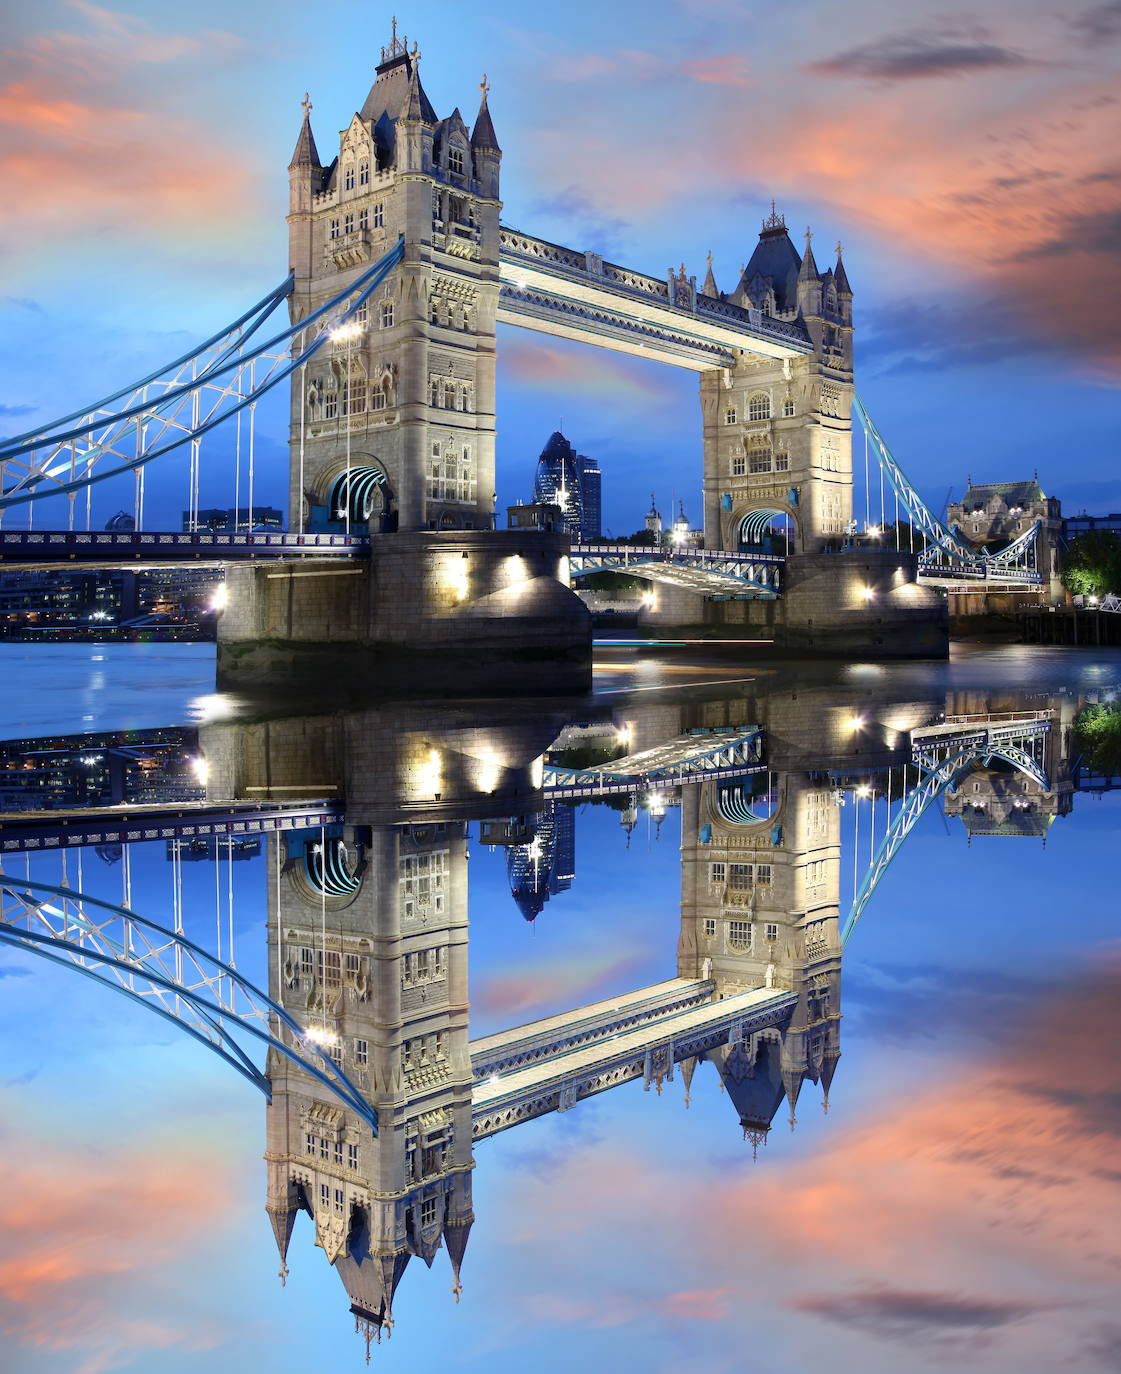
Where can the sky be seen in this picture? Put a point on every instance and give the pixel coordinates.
(968, 160)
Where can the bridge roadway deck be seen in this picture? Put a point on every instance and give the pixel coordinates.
(32, 831)
(509, 1048)
(704, 756)
(63, 548)
(557, 1082)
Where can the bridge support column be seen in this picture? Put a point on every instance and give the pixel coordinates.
(444, 613)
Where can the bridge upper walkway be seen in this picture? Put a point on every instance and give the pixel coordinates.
(648, 1051)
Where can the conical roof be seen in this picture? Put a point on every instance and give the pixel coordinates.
(483, 135)
(775, 257)
(306, 154)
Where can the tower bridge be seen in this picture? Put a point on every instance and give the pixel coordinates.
(401, 271)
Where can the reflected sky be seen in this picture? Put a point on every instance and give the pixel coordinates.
(952, 1210)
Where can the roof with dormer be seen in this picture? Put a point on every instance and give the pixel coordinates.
(394, 83)
(775, 257)
(1010, 491)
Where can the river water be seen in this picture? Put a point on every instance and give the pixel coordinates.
(827, 1070)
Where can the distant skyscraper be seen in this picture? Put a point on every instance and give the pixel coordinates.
(547, 865)
(591, 480)
(573, 482)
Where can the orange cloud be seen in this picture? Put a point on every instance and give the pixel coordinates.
(79, 1225)
(978, 1213)
(73, 151)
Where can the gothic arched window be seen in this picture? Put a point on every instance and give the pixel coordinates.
(348, 177)
(759, 406)
(363, 174)
(455, 159)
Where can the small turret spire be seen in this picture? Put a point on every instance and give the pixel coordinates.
(306, 154)
(840, 276)
(483, 135)
(710, 288)
(808, 269)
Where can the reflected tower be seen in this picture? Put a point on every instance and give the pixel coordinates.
(760, 892)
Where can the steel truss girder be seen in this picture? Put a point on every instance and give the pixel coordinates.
(195, 394)
(946, 775)
(736, 571)
(730, 756)
(169, 974)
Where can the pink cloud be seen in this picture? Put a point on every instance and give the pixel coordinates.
(81, 1226)
(539, 989)
(574, 369)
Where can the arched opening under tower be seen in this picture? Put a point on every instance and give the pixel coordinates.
(767, 531)
(360, 497)
(749, 800)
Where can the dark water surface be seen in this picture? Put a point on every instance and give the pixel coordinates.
(956, 1207)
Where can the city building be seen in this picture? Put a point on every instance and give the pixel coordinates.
(1074, 525)
(110, 769)
(992, 514)
(537, 515)
(231, 520)
(113, 603)
(547, 864)
(573, 482)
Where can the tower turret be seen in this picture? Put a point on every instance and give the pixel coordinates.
(809, 281)
(485, 152)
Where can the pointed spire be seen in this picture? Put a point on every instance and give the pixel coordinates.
(792, 1082)
(840, 276)
(483, 135)
(306, 154)
(414, 106)
(710, 288)
(809, 266)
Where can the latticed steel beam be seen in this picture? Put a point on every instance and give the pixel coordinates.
(946, 775)
(168, 973)
(192, 396)
(946, 552)
(689, 758)
(722, 569)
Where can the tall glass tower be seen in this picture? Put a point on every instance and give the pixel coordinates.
(571, 481)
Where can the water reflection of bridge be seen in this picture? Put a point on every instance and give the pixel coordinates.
(377, 1092)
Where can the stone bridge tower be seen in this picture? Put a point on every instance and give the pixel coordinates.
(778, 433)
(404, 400)
(368, 947)
(760, 887)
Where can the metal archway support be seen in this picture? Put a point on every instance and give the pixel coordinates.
(168, 973)
(938, 780)
(180, 403)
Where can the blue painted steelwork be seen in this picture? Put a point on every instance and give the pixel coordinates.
(35, 832)
(355, 489)
(739, 804)
(168, 973)
(754, 525)
(693, 758)
(139, 548)
(230, 378)
(939, 776)
(947, 556)
(759, 573)
(327, 866)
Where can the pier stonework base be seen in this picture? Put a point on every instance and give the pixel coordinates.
(442, 613)
(836, 605)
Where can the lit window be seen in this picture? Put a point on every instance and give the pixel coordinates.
(730, 416)
(387, 314)
(379, 215)
(759, 407)
(788, 408)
